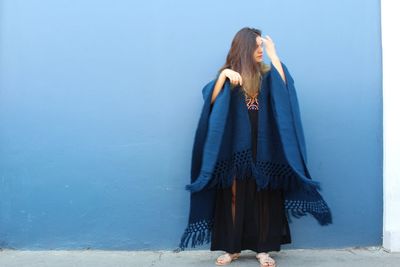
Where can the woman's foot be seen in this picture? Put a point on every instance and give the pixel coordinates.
(265, 259)
(226, 258)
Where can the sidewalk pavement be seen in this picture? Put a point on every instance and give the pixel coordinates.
(346, 257)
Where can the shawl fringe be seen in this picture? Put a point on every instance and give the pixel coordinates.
(199, 233)
(318, 209)
(266, 173)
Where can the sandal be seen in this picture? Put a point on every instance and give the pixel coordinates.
(226, 258)
(265, 259)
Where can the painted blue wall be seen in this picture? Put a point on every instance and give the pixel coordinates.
(99, 101)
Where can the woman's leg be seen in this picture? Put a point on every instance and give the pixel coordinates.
(229, 257)
(226, 234)
(233, 201)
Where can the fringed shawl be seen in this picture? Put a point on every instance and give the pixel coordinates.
(222, 151)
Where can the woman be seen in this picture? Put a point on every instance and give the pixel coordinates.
(249, 164)
(240, 209)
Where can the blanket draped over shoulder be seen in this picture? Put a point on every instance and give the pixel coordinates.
(222, 152)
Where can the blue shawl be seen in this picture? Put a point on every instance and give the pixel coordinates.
(222, 151)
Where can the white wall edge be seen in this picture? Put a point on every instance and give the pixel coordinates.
(390, 19)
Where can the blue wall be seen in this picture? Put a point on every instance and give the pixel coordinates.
(99, 101)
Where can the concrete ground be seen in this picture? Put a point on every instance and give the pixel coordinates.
(352, 257)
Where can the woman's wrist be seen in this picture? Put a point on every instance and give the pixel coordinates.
(274, 58)
(222, 75)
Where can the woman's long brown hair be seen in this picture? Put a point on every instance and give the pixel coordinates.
(240, 59)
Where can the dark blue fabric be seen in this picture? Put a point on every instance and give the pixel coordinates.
(222, 151)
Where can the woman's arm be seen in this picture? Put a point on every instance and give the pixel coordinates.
(277, 64)
(218, 86)
(273, 56)
(234, 78)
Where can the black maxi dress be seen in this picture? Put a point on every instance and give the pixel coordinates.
(260, 223)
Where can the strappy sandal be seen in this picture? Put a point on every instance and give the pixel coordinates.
(265, 259)
(226, 258)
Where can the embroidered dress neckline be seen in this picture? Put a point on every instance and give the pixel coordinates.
(251, 102)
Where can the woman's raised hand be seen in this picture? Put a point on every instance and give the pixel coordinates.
(233, 76)
(269, 47)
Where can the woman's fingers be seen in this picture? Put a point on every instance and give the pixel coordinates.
(269, 39)
(237, 79)
(234, 77)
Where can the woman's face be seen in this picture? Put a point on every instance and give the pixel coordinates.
(258, 53)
